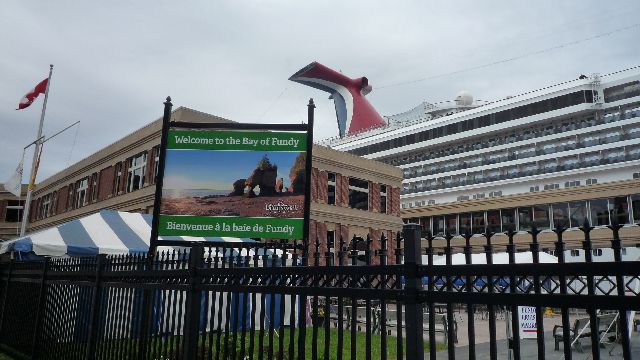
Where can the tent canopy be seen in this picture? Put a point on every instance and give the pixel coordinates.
(498, 258)
(105, 232)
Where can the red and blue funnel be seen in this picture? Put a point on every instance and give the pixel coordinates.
(353, 111)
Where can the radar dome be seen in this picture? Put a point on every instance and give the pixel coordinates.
(464, 98)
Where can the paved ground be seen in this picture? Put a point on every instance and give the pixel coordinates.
(529, 350)
(528, 346)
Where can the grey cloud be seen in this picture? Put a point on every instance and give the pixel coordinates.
(117, 61)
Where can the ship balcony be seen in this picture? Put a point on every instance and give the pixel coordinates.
(611, 139)
(592, 162)
(566, 147)
(633, 155)
(633, 133)
(590, 142)
(464, 180)
(495, 160)
(528, 134)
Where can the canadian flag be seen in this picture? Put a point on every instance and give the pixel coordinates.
(33, 94)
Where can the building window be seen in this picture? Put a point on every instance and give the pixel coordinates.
(560, 213)
(508, 219)
(156, 163)
(569, 184)
(596, 252)
(577, 213)
(54, 203)
(331, 188)
(331, 240)
(136, 171)
(438, 225)
(551, 186)
(592, 181)
(383, 199)
(431, 202)
(358, 194)
(493, 221)
(575, 253)
(495, 193)
(46, 206)
(425, 224)
(478, 223)
(451, 222)
(94, 187)
(465, 223)
(70, 197)
(636, 175)
(599, 212)
(541, 216)
(534, 188)
(525, 218)
(117, 180)
(462, 198)
(619, 209)
(635, 208)
(81, 192)
(14, 211)
(478, 196)
(623, 91)
(330, 247)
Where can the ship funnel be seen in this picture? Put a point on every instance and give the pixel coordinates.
(354, 113)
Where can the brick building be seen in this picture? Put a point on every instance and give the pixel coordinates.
(351, 196)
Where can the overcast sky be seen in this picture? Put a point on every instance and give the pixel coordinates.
(116, 61)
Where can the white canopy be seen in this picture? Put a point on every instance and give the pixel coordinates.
(498, 258)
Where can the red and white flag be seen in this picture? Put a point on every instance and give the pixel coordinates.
(41, 88)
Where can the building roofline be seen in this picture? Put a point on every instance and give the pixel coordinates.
(151, 129)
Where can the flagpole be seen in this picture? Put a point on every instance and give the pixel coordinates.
(34, 163)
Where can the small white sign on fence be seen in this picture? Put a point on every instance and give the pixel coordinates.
(527, 322)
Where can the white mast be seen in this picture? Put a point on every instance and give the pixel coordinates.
(36, 152)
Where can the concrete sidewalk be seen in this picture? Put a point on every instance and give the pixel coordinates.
(529, 350)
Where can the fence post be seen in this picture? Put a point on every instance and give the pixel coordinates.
(616, 245)
(145, 316)
(95, 309)
(40, 310)
(413, 283)
(6, 293)
(192, 311)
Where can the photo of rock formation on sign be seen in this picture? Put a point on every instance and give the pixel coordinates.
(234, 183)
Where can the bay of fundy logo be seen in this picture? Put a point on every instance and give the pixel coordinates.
(281, 208)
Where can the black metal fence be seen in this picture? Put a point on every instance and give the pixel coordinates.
(265, 301)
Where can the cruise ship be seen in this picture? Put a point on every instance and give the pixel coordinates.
(561, 154)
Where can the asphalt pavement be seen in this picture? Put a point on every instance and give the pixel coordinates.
(529, 350)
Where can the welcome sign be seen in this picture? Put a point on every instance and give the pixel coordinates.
(234, 183)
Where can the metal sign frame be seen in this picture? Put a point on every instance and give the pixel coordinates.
(168, 124)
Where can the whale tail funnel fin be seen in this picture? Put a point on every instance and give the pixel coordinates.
(353, 111)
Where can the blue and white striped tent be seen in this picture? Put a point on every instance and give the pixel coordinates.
(105, 232)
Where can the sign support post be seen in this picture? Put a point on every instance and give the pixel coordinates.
(302, 334)
(166, 120)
